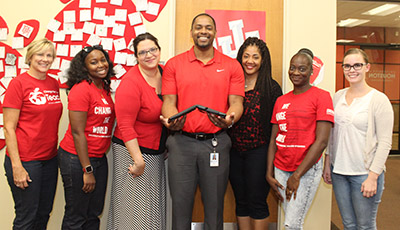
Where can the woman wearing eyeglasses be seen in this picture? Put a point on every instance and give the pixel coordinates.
(32, 111)
(81, 155)
(302, 120)
(359, 145)
(139, 188)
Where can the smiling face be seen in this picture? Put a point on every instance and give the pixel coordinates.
(203, 32)
(149, 54)
(41, 61)
(251, 60)
(355, 76)
(97, 65)
(300, 71)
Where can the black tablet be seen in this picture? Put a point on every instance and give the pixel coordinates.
(182, 113)
(208, 110)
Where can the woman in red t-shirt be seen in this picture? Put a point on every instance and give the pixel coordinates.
(82, 159)
(32, 111)
(302, 120)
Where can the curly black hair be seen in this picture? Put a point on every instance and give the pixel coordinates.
(264, 78)
(78, 72)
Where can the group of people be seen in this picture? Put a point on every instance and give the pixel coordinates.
(266, 140)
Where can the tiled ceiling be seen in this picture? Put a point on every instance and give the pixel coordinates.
(354, 9)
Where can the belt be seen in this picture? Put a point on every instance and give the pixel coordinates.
(201, 136)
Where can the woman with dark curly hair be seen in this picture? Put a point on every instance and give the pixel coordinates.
(82, 159)
(251, 134)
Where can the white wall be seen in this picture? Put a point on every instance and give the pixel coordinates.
(16, 11)
(312, 24)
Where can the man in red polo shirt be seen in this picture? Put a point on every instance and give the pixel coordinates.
(199, 148)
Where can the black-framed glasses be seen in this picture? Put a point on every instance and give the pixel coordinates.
(143, 53)
(356, 66)
(89, 49)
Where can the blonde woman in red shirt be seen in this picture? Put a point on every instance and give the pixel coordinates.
(32, 111)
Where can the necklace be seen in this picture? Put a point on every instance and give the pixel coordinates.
(249, 83)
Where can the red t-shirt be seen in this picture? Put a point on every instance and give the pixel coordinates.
(297, 116)
(204, 84)
(40, 111)
(138, 110)
(99, 106)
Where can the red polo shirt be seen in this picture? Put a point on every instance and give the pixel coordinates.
(204, 84)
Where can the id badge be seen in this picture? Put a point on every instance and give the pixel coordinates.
(214, 159)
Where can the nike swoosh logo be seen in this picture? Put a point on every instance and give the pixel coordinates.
(219, 70)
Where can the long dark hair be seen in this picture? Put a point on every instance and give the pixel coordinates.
(264, 78)
(78, 72)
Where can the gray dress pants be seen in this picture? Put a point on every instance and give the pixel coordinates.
(189, 166)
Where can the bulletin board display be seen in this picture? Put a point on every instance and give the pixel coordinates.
(110, 23)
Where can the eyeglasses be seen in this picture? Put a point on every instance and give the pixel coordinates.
(89, 49)
(143, 53)
(356, 66)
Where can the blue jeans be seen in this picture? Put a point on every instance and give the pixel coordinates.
(34, 204)
(357, 211)
(82, 210)
(296, 210)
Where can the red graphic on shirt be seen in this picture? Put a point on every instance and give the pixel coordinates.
(234, 26)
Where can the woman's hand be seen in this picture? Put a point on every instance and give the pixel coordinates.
(137, 169)
(292, 185)
(275, 185)
(89, 182)
(369, 186)
(326, 175)
(21, 177)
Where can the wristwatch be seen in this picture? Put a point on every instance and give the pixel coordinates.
(88, 169)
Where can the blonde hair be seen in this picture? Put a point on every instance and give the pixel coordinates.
(38, 46)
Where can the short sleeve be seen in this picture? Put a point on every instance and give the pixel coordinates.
(325, 110)
(14, 95)
(79, 97)
(273, 116)
(168, 79)
(237, 80)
